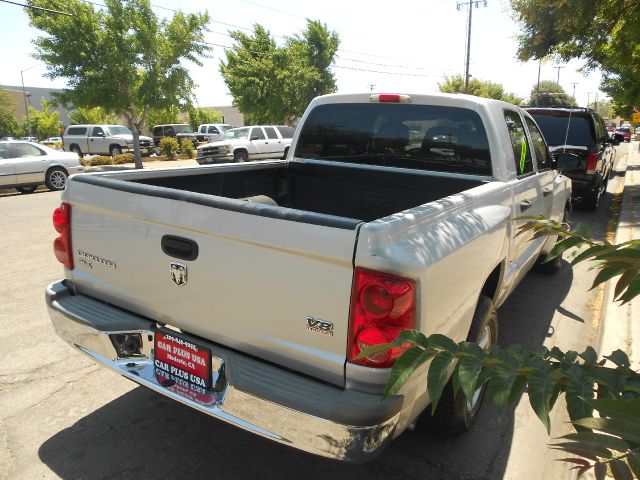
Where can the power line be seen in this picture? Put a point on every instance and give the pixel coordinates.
(33, 7)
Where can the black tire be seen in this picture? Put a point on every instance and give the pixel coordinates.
(240, 156)
(554, 265)
(56, 179)
(76, 149)
(456, 415)
(27, 189)
(286, 152)
(115, 150)
(591, 200)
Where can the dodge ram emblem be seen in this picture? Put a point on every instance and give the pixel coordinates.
(179, 273)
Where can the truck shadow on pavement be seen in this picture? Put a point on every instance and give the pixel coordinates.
(144, 435)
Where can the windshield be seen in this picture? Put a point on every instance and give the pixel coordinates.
(183, 128)
(424, 137)
(554, 128)
(118, 130)
(236, 133)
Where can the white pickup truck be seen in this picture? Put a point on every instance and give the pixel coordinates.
(246, 291)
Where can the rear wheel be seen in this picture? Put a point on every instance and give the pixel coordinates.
(27, 189)
(115, 150)
(76, 149)
(591, 200)
(457, 415)
(56, 179)
(240, 156)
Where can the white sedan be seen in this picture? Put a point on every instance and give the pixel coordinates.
(25, 165)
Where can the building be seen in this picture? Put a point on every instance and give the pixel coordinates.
(33, 98)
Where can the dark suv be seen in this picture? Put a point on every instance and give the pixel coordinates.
(580, 131)
(179, 131)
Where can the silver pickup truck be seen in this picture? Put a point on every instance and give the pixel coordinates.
(246, 291)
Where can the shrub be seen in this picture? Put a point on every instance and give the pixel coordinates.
(99, 160)
(186, 147)
(123, 158)
(169, 147)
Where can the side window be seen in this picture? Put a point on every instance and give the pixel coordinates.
(213, 129)
(600, 130)
(169, 132)
(26, 150)
(203, 129)
(542, 154)
(258, 133)
(157, 131)
(97, 131)
(286, 132)
(77, 131)
(271, 133)
(4, 151)
(521, 150)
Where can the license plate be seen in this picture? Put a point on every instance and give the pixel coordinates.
(182, 359)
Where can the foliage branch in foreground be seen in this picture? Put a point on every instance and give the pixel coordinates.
(602, 396)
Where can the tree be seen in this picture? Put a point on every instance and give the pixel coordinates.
(97, 115)
(479, 88)
(8, 123)
(610, 438)
(163, 116)
(272, 84)
(604, 33)
(604, 108)
(44, 122)
(122, 58)
(198, 116)
(550, 94)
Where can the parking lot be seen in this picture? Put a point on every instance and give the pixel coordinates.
(62, 416)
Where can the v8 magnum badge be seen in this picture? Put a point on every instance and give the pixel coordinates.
(319, 326)
(178, 273)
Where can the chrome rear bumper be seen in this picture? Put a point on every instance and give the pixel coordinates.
(258, 397)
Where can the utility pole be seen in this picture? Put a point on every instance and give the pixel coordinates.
(538, 86)
(470, 4)
(574, 89)
(588, 96)
(558, 68)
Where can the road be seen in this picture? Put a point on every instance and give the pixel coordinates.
(61, 416)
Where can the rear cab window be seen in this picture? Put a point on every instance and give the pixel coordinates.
(423, 137)
(565, 127)
(77, 131)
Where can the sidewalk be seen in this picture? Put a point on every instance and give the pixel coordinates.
(619, 331)
(151, 164)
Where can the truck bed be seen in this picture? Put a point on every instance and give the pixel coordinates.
(361, 194)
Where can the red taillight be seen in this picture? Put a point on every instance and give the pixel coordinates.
(382, 306)
(62, 244)
(592, 163)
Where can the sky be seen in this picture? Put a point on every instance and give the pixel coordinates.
(402, 46)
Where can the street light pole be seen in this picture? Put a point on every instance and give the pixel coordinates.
(26, 109)
(470, 4)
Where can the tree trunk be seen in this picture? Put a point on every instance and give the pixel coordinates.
(137, 158)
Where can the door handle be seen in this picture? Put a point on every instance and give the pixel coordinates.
(525, 205)
(179, 247)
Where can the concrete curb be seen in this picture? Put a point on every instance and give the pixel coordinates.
(618, 330)
(147, 165)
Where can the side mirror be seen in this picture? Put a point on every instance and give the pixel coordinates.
(101, 135)
(567, 161)
(616, 138)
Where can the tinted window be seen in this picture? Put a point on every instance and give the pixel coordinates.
(286, 132)
(181, 129)
(169, 131)
(77, 131)
(556, 126)
(271, 132)
(424, 137)
(257, 132)
(203, 129)
(213, 129)
(4, 150)
(537, 141)
(97, 131)
(157, 131)
(521, 150)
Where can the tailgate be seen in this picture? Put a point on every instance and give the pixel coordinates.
(254, 284)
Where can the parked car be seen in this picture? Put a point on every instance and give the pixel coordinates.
(211, 132)
(624, 132)
(52, 140)
(580, 131)
(248, 291)
(637, 131)
(179, 131)
(248, 143)
(103, 140)
(30, 139)
(25, 165)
